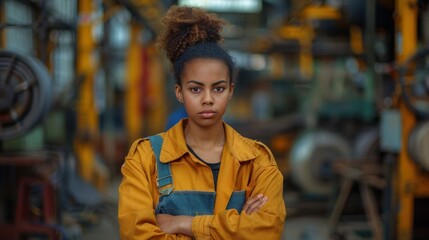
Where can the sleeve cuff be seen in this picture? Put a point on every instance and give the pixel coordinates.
(201, 226)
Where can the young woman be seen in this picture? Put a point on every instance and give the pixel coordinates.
(200, 179)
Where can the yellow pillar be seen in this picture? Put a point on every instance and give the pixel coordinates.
(156, 80)
(406, 41)
(306, 54)
(133, 116)
(86, 112)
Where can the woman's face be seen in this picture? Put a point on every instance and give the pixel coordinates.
(205, 91)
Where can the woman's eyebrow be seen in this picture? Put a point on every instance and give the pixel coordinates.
(195, 82)
(219, 82)
(202, 84)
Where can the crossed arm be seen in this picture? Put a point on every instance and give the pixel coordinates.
(183, 224)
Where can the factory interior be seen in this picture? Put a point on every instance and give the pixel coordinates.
(337, 89)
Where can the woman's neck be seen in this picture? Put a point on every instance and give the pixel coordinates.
(203, 137)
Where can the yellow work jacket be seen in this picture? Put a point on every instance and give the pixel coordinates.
(246, 165)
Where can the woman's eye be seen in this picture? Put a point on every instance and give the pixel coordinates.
(195, 89)
(219, 89)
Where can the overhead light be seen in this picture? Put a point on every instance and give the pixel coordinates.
(245, 6)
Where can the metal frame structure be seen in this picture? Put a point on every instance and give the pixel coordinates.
(411, 182)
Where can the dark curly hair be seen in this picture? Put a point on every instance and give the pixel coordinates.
(194, 29)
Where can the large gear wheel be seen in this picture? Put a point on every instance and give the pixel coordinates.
(25, 93)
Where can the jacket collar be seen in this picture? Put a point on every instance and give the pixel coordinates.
(174, 144)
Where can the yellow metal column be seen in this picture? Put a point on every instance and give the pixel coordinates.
(306, 54)
(133, 115)
(86, 112)
(406, 41)
(156, 92)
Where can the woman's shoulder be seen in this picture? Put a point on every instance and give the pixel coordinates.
(240, 139)
(262, 153)
(266, 156)
(139, 146)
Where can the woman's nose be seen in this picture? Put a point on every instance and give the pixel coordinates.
(208, 99)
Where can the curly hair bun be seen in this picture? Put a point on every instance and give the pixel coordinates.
(186, 26)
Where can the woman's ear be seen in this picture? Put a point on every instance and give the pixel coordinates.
(179, 95)
(231, 90)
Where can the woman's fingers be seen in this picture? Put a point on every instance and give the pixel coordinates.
(253, 204)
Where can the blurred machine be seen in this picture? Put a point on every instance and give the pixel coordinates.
(63, 124)
(311, 159)
(390, 128)
(339, 111)
(27, 193)
(25, 93)
(25, 99)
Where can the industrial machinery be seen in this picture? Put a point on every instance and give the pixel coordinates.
(65, 36)
(25, 93)
(311, 159)
(327, 52)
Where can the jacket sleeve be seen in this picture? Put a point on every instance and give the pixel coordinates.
(136, 210)
(267, 223)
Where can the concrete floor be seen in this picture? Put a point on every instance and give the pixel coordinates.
(107, 226)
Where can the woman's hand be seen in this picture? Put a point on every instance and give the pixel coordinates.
(175, 224)
(253, 204)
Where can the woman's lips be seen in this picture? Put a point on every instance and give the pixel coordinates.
(207, 114)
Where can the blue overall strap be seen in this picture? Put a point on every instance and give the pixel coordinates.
(164, 180)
